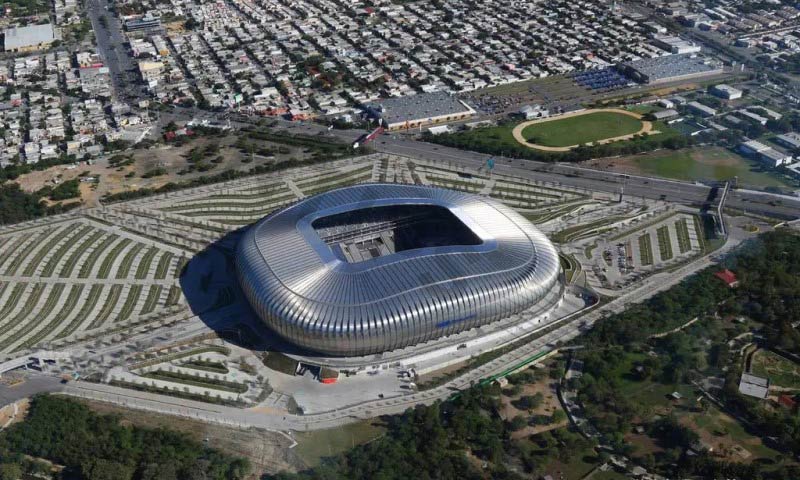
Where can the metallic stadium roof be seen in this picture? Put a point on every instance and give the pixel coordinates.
(303, 287)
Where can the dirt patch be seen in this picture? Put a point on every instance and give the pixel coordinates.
(268, 452)
(13, 413)
(171, 158)
(644, 444)
(723, 444)
(437, 374)
(684, 87)
(550, 405)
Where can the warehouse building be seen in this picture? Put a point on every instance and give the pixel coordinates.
(418, 111)
(675, 45)
(789, 140)
(764, 153)
(700, 109)
(726, 91)
(670, 68)
(665, 114)
(30, 38)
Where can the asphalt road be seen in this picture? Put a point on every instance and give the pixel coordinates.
(34, 384)
(111, 46)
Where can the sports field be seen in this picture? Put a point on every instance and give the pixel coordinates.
(579, 129)
(710, 163)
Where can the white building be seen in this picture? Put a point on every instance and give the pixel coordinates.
(764, 154)
(726, 91)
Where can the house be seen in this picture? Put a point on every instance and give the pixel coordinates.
(728, 277)
(502, 382)
(787, 401)
(754, 386)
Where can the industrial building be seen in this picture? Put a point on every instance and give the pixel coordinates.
(764, 153)
(701, 109)
(418, 111)
(665, 114)
(373, 268)
(670, 68)
(30, 38)
(726, 91)
(789, 140)
(675, 45)
(530, 112)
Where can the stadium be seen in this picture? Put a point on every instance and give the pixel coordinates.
(373, 268)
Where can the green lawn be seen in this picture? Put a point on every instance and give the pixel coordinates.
(645, 249)
(682, 229)
(581, 129)
(779, 370)
(714, 426)
(708, 163)
(664, 243)
(580, 463)
(313, 446)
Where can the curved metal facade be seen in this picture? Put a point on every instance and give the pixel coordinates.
(316, 300)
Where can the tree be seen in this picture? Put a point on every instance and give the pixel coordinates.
(529, 402)
(100, 448)
(101, 469)
(558, 416)
(518, 423)
(10, 471)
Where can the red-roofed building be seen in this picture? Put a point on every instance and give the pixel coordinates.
(728, 277)
(787, 401)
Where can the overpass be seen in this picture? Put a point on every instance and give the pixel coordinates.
(35, 359)
(721, 225)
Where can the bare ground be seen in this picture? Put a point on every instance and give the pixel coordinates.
(171, 158)
(547, 387)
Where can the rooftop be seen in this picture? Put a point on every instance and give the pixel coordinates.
(727, 276)
(671, 66)
(32, 35)
(754, 386)
(420, 107)
(371, 232)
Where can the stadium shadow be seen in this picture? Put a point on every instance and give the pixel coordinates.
(212, 292)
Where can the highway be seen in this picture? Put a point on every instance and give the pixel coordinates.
(686, 193)
(568, 174)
